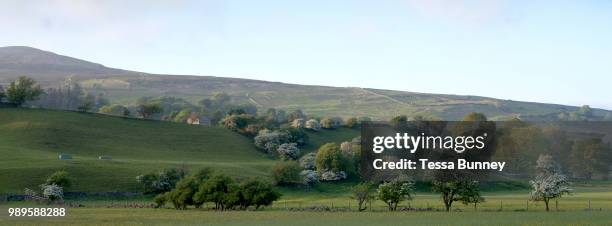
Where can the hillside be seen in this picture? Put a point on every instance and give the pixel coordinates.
(32, 139)
(125, 87)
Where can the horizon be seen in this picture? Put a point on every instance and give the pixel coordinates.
(452, 48)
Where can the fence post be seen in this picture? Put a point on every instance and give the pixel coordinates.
(527, 206)
(501, 205)
(589, 204)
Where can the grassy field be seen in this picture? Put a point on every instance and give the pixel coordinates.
(101, 216)
(32, 139)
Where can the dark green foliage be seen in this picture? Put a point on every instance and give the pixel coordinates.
(22, 90)
(287, 173)
(149, 109)
(458, 190)
(220, 190)
(257, 193)
(60, 178)
(183, 194)
(296, 135)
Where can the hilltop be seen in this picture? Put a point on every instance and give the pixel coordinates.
(125, 87)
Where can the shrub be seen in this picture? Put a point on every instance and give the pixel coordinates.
(352, 122)
(270, 140)
(329, 158)
(392, 193)
(160, 182)
(313, 124)
(298, 123)
(160, 200)
(218, 189)
(287, 173)
(331, 123)
(310, 177)
(308, 161)
(257, 193)
(52, 192)
(288, 151)
(333, 175)
(296, 136)
(60, 178)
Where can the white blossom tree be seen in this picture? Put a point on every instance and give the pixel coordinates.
(550, 183)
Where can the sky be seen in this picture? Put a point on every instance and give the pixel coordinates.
(540, 51)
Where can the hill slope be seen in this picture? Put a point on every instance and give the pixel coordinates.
(31, 139)
(126, 86)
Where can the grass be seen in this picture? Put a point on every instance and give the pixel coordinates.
(102, 216)
(32, 139)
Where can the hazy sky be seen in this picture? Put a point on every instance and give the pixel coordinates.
(543, 51)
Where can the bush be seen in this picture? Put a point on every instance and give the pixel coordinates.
(297, 136)
(331, 123)
(270, 140)
(257, 193)
(60, 178)
(287, 173)
(160, 200)
(310, 177)
(392, 193)
(329, 158)
(333, 175)
(288, 151)
(308, 161)
(219, 189)
(313, 124)
(298, 123)
(160, 182)
(352, 122)
(52, 192)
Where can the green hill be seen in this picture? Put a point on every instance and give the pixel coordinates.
(32, 139)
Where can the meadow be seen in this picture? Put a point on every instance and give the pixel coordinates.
(32, 139)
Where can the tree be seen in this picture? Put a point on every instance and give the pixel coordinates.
(287, 173)
(22, 90)
(392, 193)
(52, 192)
(312, 124)
(330, 158)
(352, 122)
(288, 151)
(238, 122)
(269, 141)
(590, 156)
(331, 123)
(60, 178)
(160, 182)
(549, 183)
(362, 192)
(257, 193)
(182, 195)
(216, 190)
(471, 194)
(148, 109)
(297, 114)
